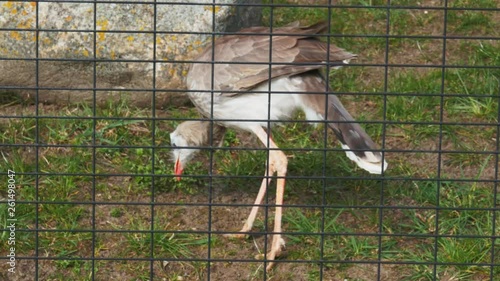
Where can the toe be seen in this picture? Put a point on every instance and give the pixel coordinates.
(269, 266)
(235, 235)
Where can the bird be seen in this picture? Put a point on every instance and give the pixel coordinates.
(258, 77)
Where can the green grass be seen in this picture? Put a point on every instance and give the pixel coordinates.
(336, 247)
(57, 189)
(411, 211)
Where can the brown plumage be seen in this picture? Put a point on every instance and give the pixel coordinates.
(193, 135)
(239, 97)
(291, 55)
(198, 133)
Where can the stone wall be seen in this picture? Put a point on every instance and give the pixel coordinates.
(122, 39)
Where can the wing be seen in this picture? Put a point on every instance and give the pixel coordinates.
(242, 61)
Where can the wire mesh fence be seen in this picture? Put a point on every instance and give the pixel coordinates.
(90, 94)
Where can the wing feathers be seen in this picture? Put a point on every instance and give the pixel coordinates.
(250, 55)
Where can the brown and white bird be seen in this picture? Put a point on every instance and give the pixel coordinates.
(259, 79)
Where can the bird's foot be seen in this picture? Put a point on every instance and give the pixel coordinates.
(276, 248)
(236, 235)
(242, 234)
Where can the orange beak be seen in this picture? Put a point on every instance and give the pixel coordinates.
(178, 169)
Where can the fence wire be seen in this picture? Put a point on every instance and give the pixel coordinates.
(89, 190)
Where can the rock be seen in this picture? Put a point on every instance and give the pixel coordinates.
(124, 49)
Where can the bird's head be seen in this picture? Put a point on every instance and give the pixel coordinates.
(184, 142)
(189, 137)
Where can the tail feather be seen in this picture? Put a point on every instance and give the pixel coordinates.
(359, 147)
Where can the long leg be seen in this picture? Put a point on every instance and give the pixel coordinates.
(253, 213)
(258, 200)
(277, 162)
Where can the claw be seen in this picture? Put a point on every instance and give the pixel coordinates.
(273, 253)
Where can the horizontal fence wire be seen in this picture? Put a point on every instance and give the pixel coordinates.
(88, 169)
